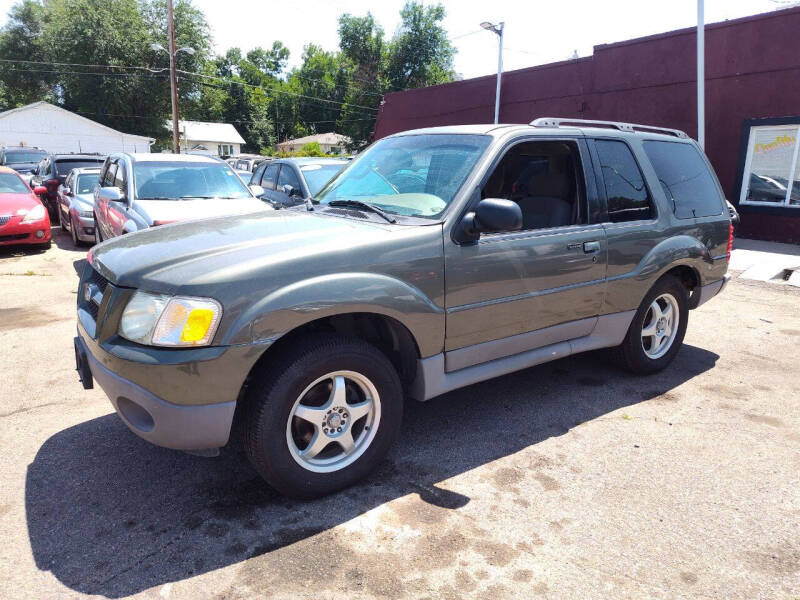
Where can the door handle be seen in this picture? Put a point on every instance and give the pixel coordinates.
(591, 247)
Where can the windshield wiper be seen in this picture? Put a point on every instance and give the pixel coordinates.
(364, 205)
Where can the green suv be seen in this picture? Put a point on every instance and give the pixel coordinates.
(438, 258)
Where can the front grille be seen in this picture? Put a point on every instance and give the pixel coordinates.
(12, 238)
(91, 278)
(4, 220)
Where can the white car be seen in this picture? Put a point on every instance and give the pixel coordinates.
(137, 191)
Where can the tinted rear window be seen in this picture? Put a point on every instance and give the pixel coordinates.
(685, 179)
(65, 166)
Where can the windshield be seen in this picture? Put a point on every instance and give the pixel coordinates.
(18, 158)
(176, 180)
(412, 175)
(10, 183)
(86, 183)
(318, 175)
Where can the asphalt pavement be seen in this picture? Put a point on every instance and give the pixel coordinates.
(568, 480)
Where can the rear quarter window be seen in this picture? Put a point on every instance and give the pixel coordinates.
(685, 178)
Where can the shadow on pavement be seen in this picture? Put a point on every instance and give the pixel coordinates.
(63, 239)
(109, 514)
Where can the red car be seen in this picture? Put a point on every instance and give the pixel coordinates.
(23, 218)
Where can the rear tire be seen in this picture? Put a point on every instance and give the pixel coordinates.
(322, 416)
(656, 332)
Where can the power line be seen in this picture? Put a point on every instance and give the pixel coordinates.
(463, 35)
(60, 72)
(152, 75)
(268, 89)
(161, 70)
(60, 64)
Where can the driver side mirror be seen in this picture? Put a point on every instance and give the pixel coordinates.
(111, 194)
(67, 191)
(40, 190)
(492, 215)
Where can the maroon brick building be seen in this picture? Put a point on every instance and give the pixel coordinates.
(752, 105)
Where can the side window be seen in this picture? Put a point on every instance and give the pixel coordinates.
(270, 177)
(546, 179)
(628, 198)
(111, 175)
(256, 177)
(288, 176)
(120, 179)
(685, 178)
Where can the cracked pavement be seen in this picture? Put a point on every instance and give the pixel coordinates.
(571, 479)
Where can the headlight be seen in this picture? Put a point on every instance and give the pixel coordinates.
(160, 320)
(86, 214)
(35, 214)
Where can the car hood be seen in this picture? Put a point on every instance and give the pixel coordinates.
(183, 210)
(11, 203)
(85, 200)
(192, 257)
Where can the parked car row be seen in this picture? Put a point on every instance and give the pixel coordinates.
(96, 197)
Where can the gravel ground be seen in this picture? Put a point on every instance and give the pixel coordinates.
(568, 480)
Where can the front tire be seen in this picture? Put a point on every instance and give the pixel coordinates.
(322, 416)
(657, 330)
(98, 235)
(74, 233)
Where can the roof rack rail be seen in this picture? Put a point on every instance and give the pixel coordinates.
(630, 127)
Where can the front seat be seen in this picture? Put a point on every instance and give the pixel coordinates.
(543, 201)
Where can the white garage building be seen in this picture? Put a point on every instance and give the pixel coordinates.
(58, 130)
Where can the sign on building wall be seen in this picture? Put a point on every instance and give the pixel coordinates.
(771, 168)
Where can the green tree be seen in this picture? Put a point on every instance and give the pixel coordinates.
(420, 53)
(364, 52)
(22, 39)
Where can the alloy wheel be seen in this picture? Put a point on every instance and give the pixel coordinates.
(333, 421)
(660, 326)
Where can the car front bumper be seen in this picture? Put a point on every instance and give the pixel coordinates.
(152, 418)
(16, 232)
(84, 227)
(177, 398)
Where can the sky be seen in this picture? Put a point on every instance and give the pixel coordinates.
(536, 31)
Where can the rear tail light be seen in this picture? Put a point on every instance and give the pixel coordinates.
(730, 241)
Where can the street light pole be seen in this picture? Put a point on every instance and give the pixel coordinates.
(173, 80)
(701, 76)
(497, 29)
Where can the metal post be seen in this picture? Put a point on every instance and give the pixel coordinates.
(499, 74)
(701, 76)
(173, 80)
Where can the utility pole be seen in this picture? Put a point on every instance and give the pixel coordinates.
(173, 80)
(173, 73)
(701, 76)
(497, 29)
